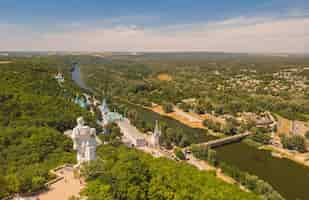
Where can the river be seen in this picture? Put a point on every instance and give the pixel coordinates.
(76, 77)
(290, 179)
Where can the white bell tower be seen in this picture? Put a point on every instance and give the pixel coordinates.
(155, 137)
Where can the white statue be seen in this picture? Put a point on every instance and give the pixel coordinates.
(84, 141)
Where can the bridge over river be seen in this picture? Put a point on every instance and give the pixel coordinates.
(226, 140)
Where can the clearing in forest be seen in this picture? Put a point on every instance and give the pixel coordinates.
(164, 77)
(283, 125)
(179, 115)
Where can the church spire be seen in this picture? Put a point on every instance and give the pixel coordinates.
(155, 138)
(157, 130)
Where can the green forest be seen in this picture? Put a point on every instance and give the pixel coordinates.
(222, 84)
(34, 112)
(123, 173)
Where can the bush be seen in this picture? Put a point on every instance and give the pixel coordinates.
(251, 182)
(263, 138)
(212, 157)
(205, 153)
(295, 142)
(200, 152)
(112, 135)
(307, 135)
(229, 129)
(184, 107)
(167, 107)
(179, 154)
(215, 126)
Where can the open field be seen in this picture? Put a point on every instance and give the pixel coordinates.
(189, 119)
(165, 77)
(5, 62)
(178, 117)
(283, 125)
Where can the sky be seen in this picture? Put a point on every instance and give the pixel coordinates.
(257, 26)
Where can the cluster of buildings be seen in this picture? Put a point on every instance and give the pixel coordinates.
(85, 141)
(291, 78)
(265, 119)
(108, 116)
(84, 138)
(284, 80)
(132, 135)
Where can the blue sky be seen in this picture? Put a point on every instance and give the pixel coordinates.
(43, 24)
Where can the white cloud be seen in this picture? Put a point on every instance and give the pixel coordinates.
(242, 34)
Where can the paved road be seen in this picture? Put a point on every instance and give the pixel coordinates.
(130, 132)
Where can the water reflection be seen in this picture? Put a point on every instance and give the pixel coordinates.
(290, 179)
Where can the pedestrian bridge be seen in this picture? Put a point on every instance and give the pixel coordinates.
(223, 141)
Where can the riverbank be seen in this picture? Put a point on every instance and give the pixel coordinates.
(190, 119)
(195, 121)
(199, 164)
(300, 158)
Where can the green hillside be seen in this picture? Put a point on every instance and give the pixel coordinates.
(34, 111)
(123, 173)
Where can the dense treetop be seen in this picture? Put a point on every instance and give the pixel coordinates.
(122, 173)
(34, 112)
(225, 84)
